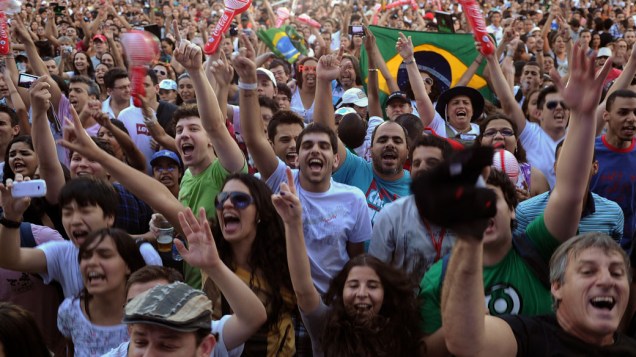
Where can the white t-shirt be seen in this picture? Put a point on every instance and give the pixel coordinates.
(88, 339)
(331, 219)
(220, 349)
(133, 120)
(297, 106)
(540, 150)
(63, 267)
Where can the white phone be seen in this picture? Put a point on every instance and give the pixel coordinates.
(32, 188)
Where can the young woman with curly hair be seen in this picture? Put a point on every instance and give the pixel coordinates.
(370, 308)
(250, 239)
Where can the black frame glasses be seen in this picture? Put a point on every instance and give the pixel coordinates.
(505, 132)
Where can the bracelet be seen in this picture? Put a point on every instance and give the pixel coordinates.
(247, 86)
(9, 223)
(408, 62)
(373, 69)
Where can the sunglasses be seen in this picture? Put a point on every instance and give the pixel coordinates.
(163, 73)
(240, 200)
(553, 104)
(504, 132)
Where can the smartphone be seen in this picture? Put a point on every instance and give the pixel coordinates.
(59, 10)
(33, 188)
(356, 30)
(25, 80)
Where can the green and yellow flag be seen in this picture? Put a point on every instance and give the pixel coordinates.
(445, 56)
(284, 42)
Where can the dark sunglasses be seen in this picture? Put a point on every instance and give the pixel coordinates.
(163, 73)
(240, 200)
(553, 104)
(504, 132)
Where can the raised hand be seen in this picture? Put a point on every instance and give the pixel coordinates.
(245, 68)
(582, 75)
(76, 138)
(369, 39)
(189, 55)
(40, 95)
(286, 201)
(329, 66)
(404, 47)
(13, 207)
(247, 47)
(201, 251)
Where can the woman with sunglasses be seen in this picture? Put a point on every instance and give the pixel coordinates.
(252, 243)
(500, 131)
(370, 308)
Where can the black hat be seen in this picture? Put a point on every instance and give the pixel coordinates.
(476, 99)
(401, 96)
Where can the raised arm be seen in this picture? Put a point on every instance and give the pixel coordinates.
(563, 212)
(327, 71)
(504, 93)
(288, 207)
(404, 46)
(373, 92)
(136, 158)
(227, 150)
(252, 127)
(249, 312)
(43, 142)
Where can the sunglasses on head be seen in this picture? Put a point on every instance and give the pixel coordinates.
(553, 104)
(240, 200)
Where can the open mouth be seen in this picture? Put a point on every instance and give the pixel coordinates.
(231, 221)
(291, 158)
(94, 276)
(83, 173)
(603, 302)
(461, 114)
(362, 308)
(315, 165)
(628, 130)
(187, 149)
(18, 166)
(390, 156)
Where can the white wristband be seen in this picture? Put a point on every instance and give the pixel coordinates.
(247, 86)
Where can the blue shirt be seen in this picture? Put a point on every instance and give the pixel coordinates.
(357, 172)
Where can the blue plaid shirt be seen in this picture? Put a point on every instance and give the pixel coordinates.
(133, 214)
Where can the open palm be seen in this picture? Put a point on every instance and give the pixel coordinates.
(201, 251)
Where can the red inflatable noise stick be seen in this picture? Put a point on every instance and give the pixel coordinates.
(4, 35)
(476, 19)
(142, 48)
(232, 8)
(399, 3)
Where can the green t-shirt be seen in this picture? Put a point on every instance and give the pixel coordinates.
(200, 191)
(511, 287)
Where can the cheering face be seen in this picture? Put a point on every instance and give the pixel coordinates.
(347, 73)
(192, 142)
(186, 89)
(309, 73)
(316, 158)
(236, 212)
(499, 134)
(79, 221)
(22, 159)
(285, 143)
(389, 149)
(554, 114)
(363, 292)
(499, 226)
(594, 294)
(103, 269)
(621, 119)
(459, 112)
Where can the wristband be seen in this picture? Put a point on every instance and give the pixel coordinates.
(373, 69)
(9, 223)
(408, 62)
(247, 86)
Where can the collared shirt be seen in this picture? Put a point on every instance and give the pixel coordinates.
(108, 110)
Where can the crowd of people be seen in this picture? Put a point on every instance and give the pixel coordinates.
(251, 204)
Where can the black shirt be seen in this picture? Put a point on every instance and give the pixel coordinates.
(543, 336)
(165, 111)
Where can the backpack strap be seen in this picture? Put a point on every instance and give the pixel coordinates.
(27, 240)
(528, 252)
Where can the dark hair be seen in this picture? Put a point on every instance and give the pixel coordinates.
(277, 62)
(153, 76)
(394, 331)
(535, 64)
(90, 191)
(125, 244)
(113, 75)
(320, 129)
(151, 273)
(184, 111)
(501, 180)
(93, 87)
(15, 121)
(282, 117)
(526, 102)
(299, 76)
(268, 102)
(544, 93)
(90, 70)
(19, 333)
(520, 153)
(436, 88)
(284, 89)
(352, 130)
(268, 255)
(120, 125)
(434, 142)
(356, 67)
(61, 83)
(6, 170)
(412, 124)
(168, 41)
(622, 93)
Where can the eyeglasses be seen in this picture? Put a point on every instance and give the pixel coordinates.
(240, 200)
(159, 72)
(504, 132)
(553, 104)
(428, 81)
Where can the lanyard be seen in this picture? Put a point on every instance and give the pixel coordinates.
(437, 242)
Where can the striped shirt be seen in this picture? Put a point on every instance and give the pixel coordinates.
(599, 215)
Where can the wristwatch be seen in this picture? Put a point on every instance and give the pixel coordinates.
(9, 223)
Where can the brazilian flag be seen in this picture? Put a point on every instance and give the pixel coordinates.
(284, 42)
(445, 56)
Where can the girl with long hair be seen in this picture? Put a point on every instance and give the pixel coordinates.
(19, 334)
(93, 320)
(251, 243)
(370, 308)
(302, 101)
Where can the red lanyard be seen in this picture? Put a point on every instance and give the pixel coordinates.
(437, 242)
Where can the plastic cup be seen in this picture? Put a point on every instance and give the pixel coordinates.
(164, 239)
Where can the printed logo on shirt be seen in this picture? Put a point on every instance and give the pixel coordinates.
(377, 198)
(503, 299)
(142, 129)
